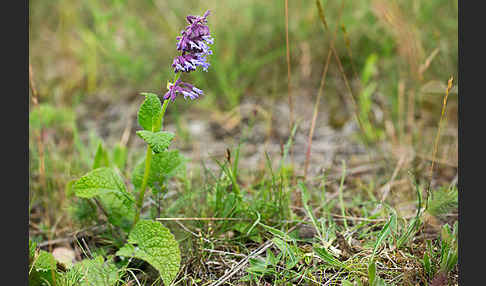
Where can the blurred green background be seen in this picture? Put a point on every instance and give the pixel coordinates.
(80, 48)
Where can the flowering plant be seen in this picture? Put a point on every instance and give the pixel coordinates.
(148, 239)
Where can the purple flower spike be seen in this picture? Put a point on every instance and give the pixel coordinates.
(195, 41)
(194, 46)
(186, 89)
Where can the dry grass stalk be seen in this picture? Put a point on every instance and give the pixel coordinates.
(437, 137)
(314, 115)
(291, 103)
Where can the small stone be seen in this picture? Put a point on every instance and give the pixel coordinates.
(306, 231)
(64, 255)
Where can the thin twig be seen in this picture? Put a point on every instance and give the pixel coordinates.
(242, 263)
(191, 232)
(314, 116)
(428, 61)
(73, 236)
(223, 252)
(321, 88)
(386, 188)
(176, 219)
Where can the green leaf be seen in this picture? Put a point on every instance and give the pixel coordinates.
(384, 233)
(108, 185)
(305, 200)
(164, 165)
(259, 267)
(427, 265)
(372, 273)
(96, 271)
(99, 181)
(158, 141)
(70, 278)
(291, 252)
(121, 211)
(271, 259)
(414, 224)
(120, 156)
(32, 248)
(155, 245)
(42, 278)
(150, 112)
(101, 158)
(69, 188)
(327, 257)
(346, 283)
(278, 233)
(45, 261)
(448, 255)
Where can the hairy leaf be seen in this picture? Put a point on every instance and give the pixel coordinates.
(149, 112)
(106, 184)
(164, 165)
(155, 245)
(158, 141)
(121, 211)
(99, 181)
(96, 271)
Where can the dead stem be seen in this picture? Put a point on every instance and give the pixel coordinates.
(321, 88)
(314, 116)
(437, 137)
(291, 103)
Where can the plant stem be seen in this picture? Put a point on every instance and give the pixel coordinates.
(164, 108)
(148, 159)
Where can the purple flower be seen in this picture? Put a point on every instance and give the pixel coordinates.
(189, 62)
(186, 89)
(196, 36)
(194, 46)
